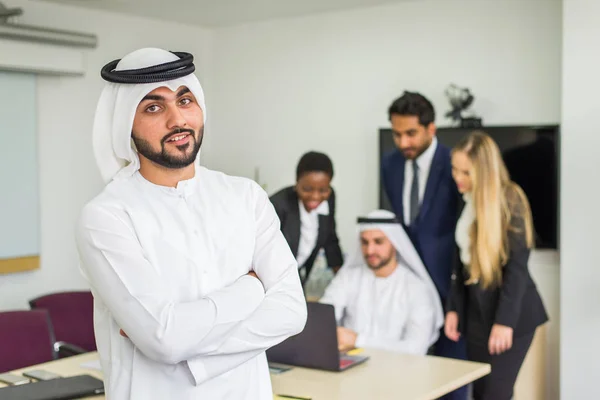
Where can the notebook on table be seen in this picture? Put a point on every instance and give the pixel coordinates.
(73, 387)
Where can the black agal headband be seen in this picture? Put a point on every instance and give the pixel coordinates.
(156, 73)
(367, 220)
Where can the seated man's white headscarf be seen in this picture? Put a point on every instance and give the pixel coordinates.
(113, 147)
(406, 253)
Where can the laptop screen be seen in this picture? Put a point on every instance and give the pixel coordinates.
(316, 346)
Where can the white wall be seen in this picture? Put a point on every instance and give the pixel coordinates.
(68, 174)
(580, 271)
(324, 82)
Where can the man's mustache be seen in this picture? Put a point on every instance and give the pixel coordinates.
(177, 131)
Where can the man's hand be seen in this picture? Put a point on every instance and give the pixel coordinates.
(346, 339)
(252, 273)
(122, 332)
(451, 326)
(500, 339)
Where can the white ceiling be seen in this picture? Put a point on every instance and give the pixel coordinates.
(216, 13)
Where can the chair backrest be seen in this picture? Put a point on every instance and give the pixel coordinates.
(26, 339)
(72, 316)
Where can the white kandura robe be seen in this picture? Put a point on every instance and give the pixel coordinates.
(168, 266)
(395, 313)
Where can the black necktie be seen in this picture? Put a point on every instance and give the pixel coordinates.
(414, 193)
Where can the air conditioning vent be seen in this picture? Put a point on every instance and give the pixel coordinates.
(13, 31)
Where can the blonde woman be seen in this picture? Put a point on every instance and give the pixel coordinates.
(494, 302)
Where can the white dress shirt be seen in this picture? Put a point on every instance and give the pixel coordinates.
(463, 229)
(424, 163)
(395, 313)
(309, 230)
(168, 266)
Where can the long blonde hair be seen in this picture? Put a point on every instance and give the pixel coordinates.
(500, 206)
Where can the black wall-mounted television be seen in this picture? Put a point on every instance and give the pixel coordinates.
(531, 154)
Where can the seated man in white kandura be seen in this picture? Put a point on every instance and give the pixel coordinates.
(383, 296)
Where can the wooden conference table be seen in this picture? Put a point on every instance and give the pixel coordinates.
(385, 376)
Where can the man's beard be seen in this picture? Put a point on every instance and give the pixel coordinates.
(381, 263)
(417, 151)
(169, 160)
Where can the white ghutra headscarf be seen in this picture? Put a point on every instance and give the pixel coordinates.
(113, 147)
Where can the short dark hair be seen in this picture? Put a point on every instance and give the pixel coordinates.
(413, 104)
(314, 162)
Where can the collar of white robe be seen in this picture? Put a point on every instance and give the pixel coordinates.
(156, 73)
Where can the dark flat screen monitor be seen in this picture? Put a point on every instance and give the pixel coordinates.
(531, 154)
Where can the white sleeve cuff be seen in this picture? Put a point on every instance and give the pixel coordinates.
(198, 371)
(361, 340)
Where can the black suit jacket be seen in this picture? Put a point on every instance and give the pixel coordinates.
(286, 205)
(432, 233)
(515, 303)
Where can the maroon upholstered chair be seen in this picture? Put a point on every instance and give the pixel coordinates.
(26, 339)
(72, 316)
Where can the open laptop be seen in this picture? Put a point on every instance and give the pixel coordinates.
(73, 387)
(316, 346)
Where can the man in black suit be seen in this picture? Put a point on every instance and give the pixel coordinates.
(307, 213)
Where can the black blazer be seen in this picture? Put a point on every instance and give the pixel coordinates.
(432, 233)
(286, 205)
(515, 303)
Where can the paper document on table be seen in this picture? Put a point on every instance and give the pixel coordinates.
(355, 352)
(92, 365)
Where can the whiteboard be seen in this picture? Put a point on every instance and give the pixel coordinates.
(19, 185)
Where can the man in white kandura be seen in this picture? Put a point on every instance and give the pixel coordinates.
(383, 296)
(191, 276)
